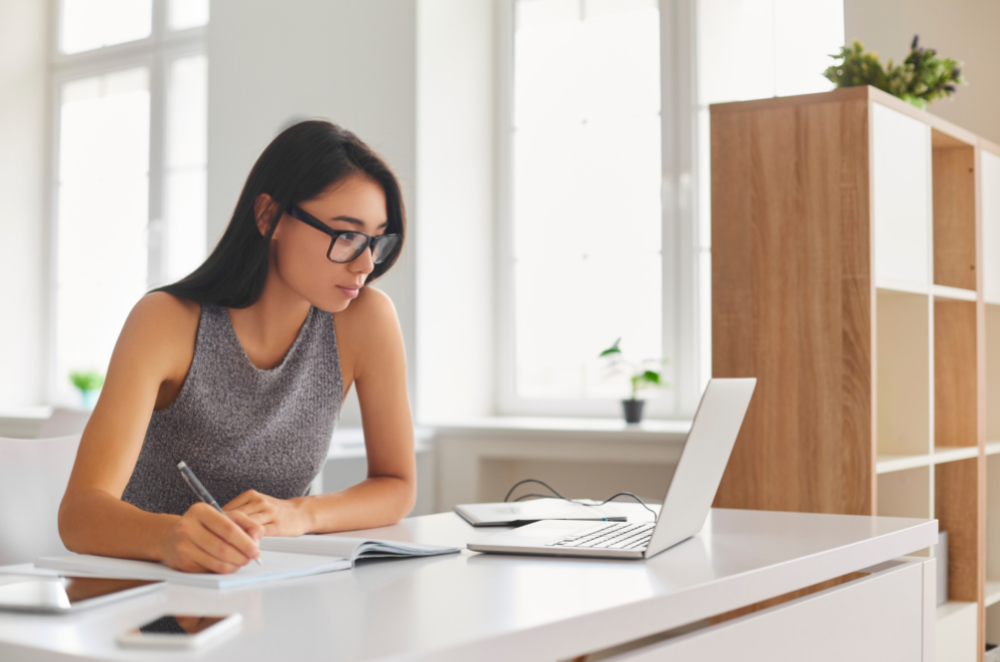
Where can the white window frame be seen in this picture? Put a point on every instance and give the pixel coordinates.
(156, 52)
(682, 338)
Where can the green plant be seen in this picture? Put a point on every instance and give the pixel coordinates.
(922, 77)
(89, 380)
(641, 373)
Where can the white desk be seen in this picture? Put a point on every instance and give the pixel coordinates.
(488, 607)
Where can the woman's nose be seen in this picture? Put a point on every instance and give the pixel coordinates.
(364, 263)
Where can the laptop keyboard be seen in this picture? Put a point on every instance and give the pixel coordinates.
(617, 535)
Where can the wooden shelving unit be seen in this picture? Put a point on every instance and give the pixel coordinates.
(856, 274)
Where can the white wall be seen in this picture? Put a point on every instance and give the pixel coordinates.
(351, 62)
(23, 144)
(961, 29)
(456, 113)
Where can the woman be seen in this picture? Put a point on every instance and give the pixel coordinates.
(240, 370)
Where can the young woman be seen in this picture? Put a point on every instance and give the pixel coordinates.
(240, 370)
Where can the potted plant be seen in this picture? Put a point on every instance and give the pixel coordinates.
(922, 77)
(642, 375)
(89, 382)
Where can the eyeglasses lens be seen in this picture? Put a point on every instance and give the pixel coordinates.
(385, 246)
(347, 247)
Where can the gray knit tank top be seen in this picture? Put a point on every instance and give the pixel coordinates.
(239, 427)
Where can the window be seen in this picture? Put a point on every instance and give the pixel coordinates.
(129, 174)
(584, 258)
(604, 186)
(790, 42)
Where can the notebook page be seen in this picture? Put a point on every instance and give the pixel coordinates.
(351, 548)
(277, 565)
(336, 546)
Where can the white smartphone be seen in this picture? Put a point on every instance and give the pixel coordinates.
(182, 631)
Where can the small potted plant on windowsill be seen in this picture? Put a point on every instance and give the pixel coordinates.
(90, 383)
(642, 376)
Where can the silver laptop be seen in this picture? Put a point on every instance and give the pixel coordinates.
(685, 508)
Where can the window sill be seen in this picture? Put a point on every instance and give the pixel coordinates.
(584, 429)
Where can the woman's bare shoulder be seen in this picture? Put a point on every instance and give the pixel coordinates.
(163, 309)
(371, 313)
(162, 321)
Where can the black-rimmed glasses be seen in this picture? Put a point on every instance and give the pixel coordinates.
(346, 245)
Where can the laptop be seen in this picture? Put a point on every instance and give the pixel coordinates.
(685, 508)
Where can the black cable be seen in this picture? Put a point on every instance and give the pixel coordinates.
(532, 480)
(559, 496)
(629, 494)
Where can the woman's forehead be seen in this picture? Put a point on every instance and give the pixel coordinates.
(356, 196)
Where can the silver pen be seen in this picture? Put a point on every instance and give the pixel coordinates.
(200, 491)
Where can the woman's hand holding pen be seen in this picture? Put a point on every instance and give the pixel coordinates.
(205, 540)
(279, 517)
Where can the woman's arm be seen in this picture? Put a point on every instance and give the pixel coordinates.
(149, 364)
(372, 356)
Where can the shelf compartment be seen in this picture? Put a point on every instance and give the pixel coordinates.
(954, 453)
(901, 165)
(945, 292)
(993, 373)
(889, 463)
(897, 285)
(903, 373)
(905, 493)
(956, 630)
(953, 607)
(992, 592)
(955, 373)
(956, 507)
(990, 187)
(992, 447)
(954, 213)
(993, 524)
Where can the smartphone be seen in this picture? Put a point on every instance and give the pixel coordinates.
(182, 631)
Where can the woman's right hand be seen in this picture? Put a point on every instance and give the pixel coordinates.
(205, 540)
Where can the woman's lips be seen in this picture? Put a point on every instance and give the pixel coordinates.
(349, 292)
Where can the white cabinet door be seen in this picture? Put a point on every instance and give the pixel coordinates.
(901, 165)
(991, 226)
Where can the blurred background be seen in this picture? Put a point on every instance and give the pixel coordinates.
(553, 155)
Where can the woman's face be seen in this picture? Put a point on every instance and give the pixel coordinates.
(299, 251)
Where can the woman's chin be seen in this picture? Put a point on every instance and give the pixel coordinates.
(333, 304)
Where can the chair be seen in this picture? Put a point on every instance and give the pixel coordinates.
(63, 422)
(33, 477)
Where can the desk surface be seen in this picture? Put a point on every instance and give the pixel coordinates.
(491, 607)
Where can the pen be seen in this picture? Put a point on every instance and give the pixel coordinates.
(200, 490)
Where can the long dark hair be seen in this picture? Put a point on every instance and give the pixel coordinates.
(299, 164)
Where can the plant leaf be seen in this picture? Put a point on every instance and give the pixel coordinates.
(650, 377)
(611, 350)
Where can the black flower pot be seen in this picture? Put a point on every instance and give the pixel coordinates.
(633, 410)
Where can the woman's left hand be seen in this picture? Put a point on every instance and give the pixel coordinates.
(278, 516)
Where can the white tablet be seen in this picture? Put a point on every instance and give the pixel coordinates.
(68, 594)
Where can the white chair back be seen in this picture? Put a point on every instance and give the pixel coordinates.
(63, 423)
(33, 477)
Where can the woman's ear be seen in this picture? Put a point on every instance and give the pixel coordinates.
(266, 212)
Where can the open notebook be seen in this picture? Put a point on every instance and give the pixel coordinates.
(283, 558)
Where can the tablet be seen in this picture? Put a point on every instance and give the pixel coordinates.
(68, 594)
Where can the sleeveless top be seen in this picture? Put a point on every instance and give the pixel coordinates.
(239, 427)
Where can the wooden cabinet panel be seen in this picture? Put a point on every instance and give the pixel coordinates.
(792, 303)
